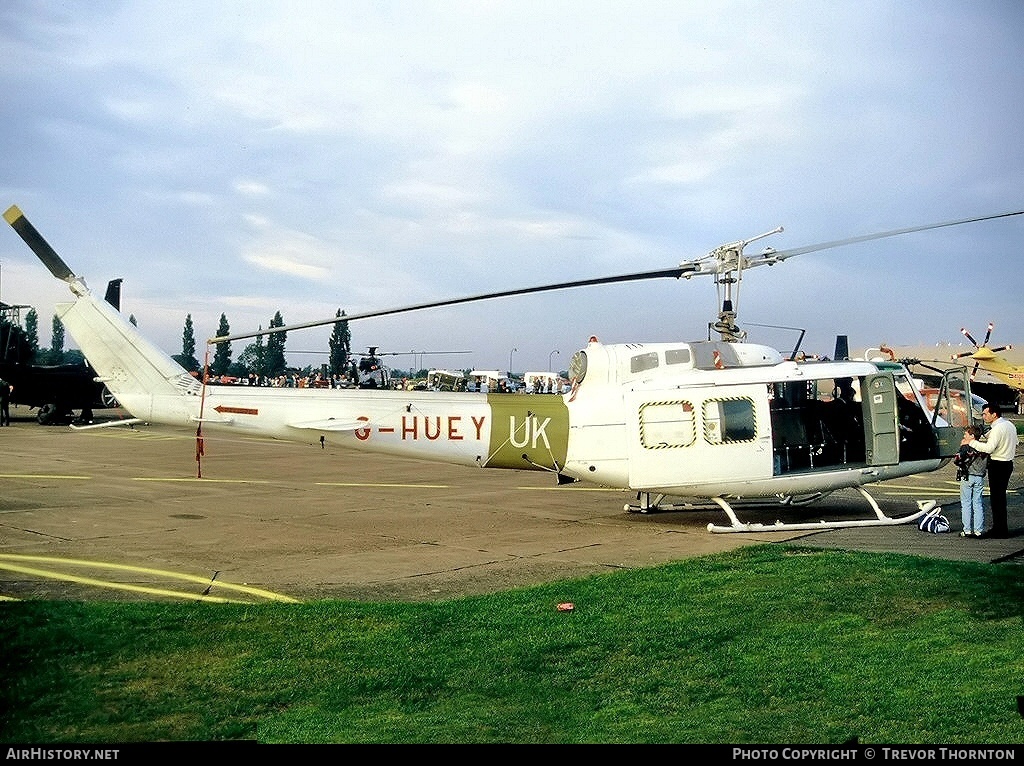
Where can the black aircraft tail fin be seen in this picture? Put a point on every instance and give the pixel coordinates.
(842, 348)
(113, 296)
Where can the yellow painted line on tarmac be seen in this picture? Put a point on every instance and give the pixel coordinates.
(951, 488)
(134, 478)
(573, 489)
(912, 492)
(136, 433)
(14, 557)
(379, 484)
(41, 476)
(115, 586)
(201, 481)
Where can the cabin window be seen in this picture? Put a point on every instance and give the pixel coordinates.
(830, 389)
(677, 356)
(906, 387)
(729, 420)
(667, 424)
(642, 362)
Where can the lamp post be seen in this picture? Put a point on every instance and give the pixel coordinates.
(510, 360)
(549, 358)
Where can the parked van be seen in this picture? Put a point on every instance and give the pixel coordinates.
(446, 380)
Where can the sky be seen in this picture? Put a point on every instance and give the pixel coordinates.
(248, 158)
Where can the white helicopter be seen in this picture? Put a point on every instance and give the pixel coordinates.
(721, 423)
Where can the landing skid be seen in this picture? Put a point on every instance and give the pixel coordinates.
(645, 504)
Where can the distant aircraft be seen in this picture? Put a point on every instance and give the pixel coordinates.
(56, 391)
(987, 359)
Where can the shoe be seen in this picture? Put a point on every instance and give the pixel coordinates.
(977, 534)
(966, 533)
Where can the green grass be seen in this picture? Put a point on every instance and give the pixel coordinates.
(767, 644)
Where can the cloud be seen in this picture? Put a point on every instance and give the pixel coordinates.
(246, 158)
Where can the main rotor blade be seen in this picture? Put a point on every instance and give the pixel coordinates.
(37, 244)
(783, 254)
(966, 334)
(675, 272)
(988, 334)
(687, 268)
(387, 353)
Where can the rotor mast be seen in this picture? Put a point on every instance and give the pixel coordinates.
(728, 264)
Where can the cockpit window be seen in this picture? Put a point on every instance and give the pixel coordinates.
(677, 356)
(641, 362)
(906, 387)
(578, 366)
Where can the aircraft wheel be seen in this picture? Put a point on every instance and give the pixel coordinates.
(108, 399)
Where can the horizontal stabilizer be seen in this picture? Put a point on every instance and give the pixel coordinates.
(108, 424)
(330, 424)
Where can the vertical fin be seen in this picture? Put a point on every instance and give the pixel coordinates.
(134, 370)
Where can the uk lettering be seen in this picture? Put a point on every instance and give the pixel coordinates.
(528, 431)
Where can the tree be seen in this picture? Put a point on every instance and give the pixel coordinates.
(56, 355)
(252, 358)
(75, 356)
(32, 331)
(341, 345)
(222, 356)
(187, 357)
(274, 359)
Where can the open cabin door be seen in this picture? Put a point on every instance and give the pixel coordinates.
(953, 410)
(881, 424)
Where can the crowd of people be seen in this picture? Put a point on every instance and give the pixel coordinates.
(344, 380)
(288, 380)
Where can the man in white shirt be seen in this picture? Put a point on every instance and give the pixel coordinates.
(1001, 446)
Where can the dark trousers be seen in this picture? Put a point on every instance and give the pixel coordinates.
(998, 480)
